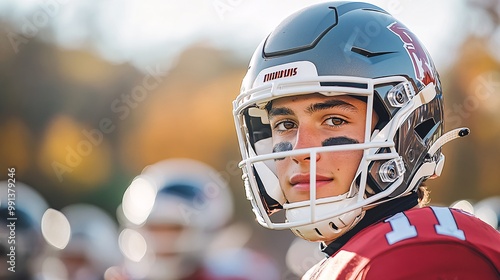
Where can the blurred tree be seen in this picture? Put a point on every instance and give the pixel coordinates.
(471, 99)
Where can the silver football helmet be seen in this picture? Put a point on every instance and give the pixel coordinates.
(342, 48)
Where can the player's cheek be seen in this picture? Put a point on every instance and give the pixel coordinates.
(282, 167)
(345, 164)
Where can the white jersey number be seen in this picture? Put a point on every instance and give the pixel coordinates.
(402, 229)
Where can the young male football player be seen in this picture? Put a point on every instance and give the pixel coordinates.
(340, 121)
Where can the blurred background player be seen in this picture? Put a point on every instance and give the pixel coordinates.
(92, 247)
(29, 244)
(181, 208)
(190, 203)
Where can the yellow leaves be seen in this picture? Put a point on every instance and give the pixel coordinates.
(71, 152)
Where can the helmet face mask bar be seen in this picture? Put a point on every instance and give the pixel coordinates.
(394, 155)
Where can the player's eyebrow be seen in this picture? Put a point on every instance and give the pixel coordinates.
(280, 111)
(328, 104)
(332, 103)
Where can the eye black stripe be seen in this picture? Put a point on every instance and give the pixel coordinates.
(282, 147)
(339, 141)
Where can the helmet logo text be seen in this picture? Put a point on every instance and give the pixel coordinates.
(424, 69)
(290, 72)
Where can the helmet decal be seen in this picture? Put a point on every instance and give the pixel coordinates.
(280, 74)
(420, 59)
(297, 69)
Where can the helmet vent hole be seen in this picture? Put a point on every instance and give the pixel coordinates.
(298, 233)
(367, 53)
(425, 127)
(318, 232)
(332, 225)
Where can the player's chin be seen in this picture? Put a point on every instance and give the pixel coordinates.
(300, 193)
(295, 195)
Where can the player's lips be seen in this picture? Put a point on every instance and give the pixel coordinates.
(303, 182)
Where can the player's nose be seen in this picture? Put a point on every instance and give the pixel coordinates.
(306, 138)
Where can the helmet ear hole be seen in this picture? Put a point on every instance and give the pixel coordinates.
(381, 111)
(423, 128)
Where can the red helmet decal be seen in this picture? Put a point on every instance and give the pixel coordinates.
(422, 64)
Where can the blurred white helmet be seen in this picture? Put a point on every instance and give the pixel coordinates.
(189, 193)
(93, 245)
(179, 204)
(21, 211)
(488, 210)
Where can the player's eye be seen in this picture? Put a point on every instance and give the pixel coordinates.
(335, 121)
(284, 125)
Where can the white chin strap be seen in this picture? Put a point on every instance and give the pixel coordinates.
(328, 229)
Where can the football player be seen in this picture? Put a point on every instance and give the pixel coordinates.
(191, 205)
(93, 246)
(340, 121)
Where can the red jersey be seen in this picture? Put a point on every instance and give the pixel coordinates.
(423, 243)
